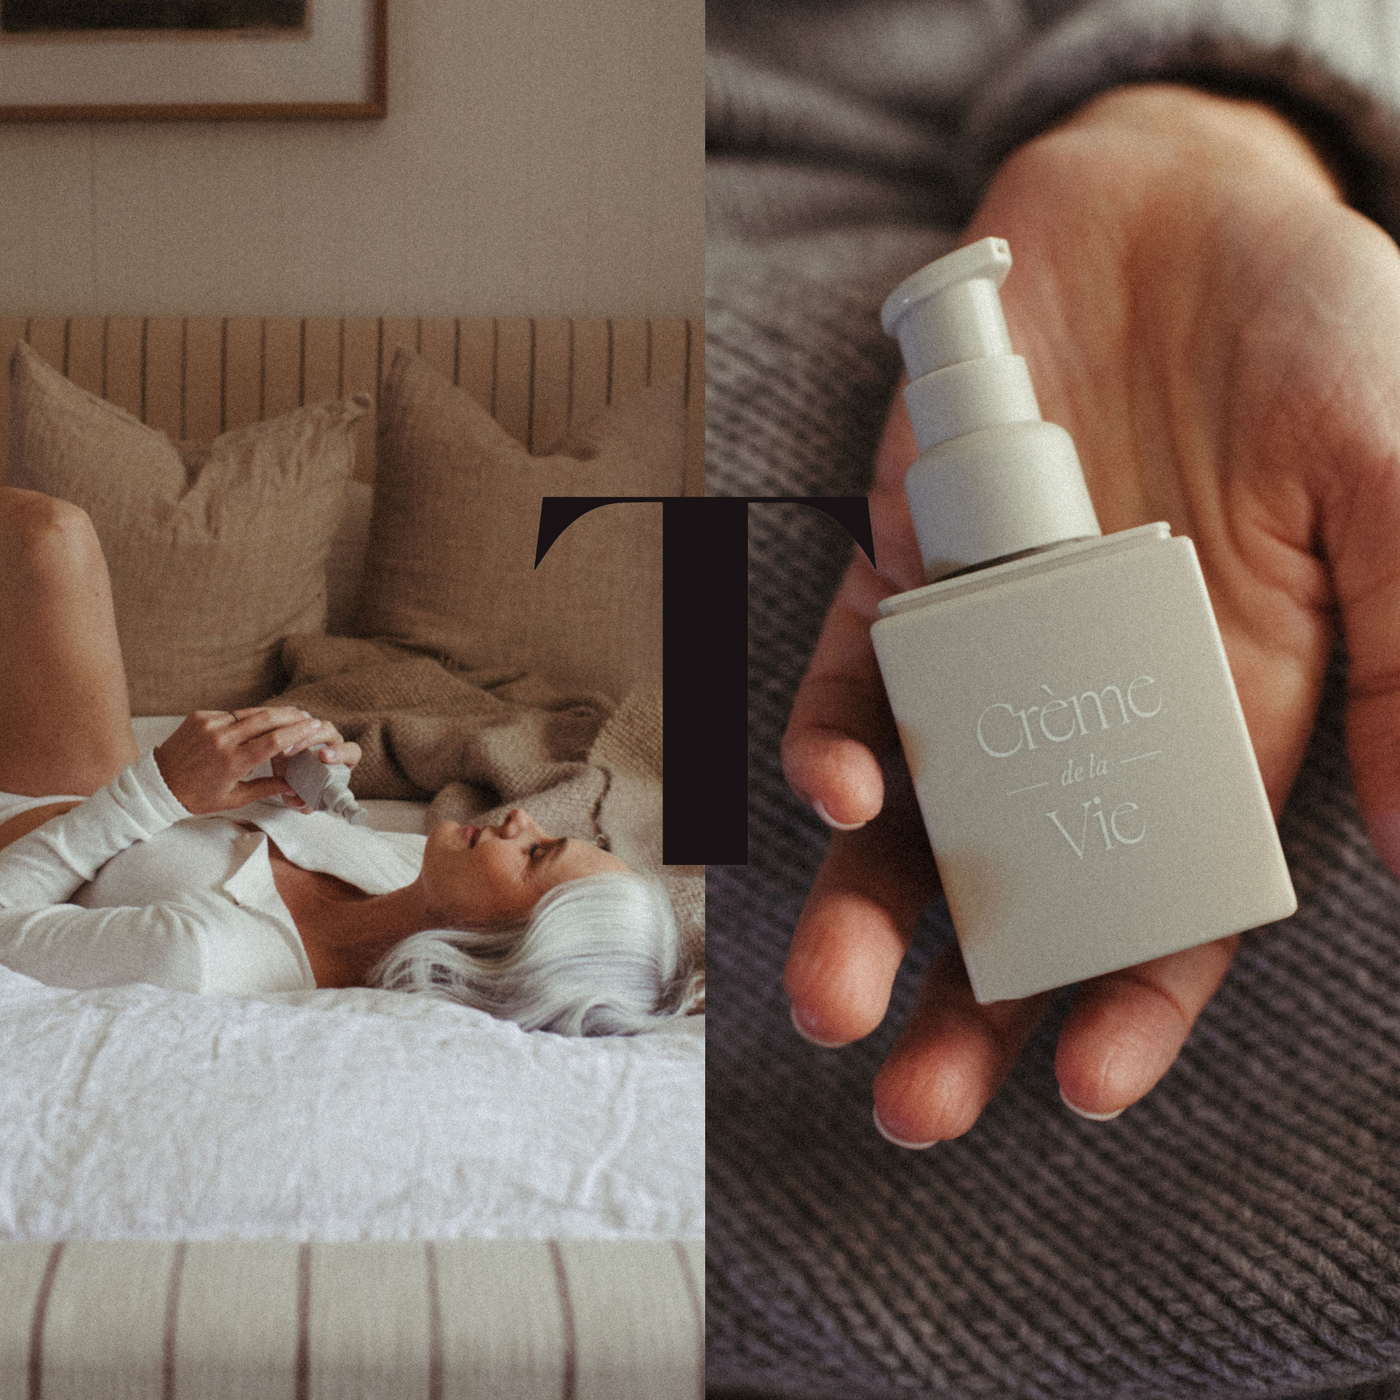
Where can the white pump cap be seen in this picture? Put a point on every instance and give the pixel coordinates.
(993, 479)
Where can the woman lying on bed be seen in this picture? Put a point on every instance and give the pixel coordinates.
(173, 878)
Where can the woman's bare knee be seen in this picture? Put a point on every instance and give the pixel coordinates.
(38, 527)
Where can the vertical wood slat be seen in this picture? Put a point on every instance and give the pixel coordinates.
(630, 356)
(243, 354)
(204, 378)
(360, 374)
(591, 364)
(320, 359)
(633, 1319)
(437, 343)
(514, 363)
(163, 399)
(476, 359)
(85, 353)
(11, 333)
(368, 1320)
(22, 1265)
(48, 335)
(668, 365)
(506, 1337)
(695, 416)
(236, 1321)
(552, 390)
(690, 1256)
(126, 338)
(281, 379)
(106, 1317)
(396, 331)
(668, 351)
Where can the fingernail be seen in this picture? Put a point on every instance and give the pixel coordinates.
(809, 1037)
(1084, 1112)
(819, 807)
(898, 1142)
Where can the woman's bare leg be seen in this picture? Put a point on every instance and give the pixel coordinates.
(65, 718)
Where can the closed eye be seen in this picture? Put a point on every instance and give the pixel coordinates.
(544, 851)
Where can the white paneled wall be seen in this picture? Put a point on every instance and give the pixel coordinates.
(540, 158)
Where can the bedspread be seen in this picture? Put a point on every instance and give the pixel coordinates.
(134, 1112)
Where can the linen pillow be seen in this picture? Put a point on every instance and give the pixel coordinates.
(217, 551)
(450, 566)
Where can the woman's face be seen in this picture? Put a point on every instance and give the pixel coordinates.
(485, 876)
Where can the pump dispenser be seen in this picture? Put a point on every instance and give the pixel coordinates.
(993, 479)
(1063, 698)
(324, 787)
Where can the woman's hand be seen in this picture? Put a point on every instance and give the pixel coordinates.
(205, 761)
(1216, 330)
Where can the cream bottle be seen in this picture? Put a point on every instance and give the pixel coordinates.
(1063, 698)
(324, 787)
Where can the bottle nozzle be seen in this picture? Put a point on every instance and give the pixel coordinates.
(950, 311)
(1002, 481)
(342, 804)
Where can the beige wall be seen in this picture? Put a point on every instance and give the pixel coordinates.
(541, 157)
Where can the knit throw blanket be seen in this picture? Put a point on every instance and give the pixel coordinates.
(1237, 1233)
(473, 743)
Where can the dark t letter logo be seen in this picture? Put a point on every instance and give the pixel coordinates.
(704, 664)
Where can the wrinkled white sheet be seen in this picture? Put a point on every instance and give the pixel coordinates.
(134, 1112)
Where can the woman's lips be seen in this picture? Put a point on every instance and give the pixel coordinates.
(473, 832)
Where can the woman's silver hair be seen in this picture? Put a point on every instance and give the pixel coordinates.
(601, 955)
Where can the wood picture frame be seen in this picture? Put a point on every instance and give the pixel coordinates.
(332, 66)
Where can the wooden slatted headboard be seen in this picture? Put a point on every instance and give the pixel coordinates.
(196, 377)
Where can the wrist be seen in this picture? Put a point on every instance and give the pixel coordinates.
(163, 798)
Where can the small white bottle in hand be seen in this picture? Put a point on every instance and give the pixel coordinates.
(324, 787)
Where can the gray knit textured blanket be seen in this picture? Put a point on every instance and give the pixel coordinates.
(1237, 1233)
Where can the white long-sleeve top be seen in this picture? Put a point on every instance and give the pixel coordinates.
(185, 902)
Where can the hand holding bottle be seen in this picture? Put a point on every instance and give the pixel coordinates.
(207, 760)
(317, 774)
(1213, 326)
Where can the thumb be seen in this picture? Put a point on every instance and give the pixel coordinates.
(1367, 575)
(1373, 747)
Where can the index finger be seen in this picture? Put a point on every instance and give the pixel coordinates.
(261, 719)
(263, 732)
(839, 717)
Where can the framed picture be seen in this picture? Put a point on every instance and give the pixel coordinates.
(100, 60)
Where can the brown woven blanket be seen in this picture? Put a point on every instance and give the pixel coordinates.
(474, 743)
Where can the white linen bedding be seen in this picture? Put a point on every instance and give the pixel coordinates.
(135, 1112)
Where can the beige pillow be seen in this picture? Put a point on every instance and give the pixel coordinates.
(450, 566)
(217, 551)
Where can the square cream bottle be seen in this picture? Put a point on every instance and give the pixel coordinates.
(1063, 698)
